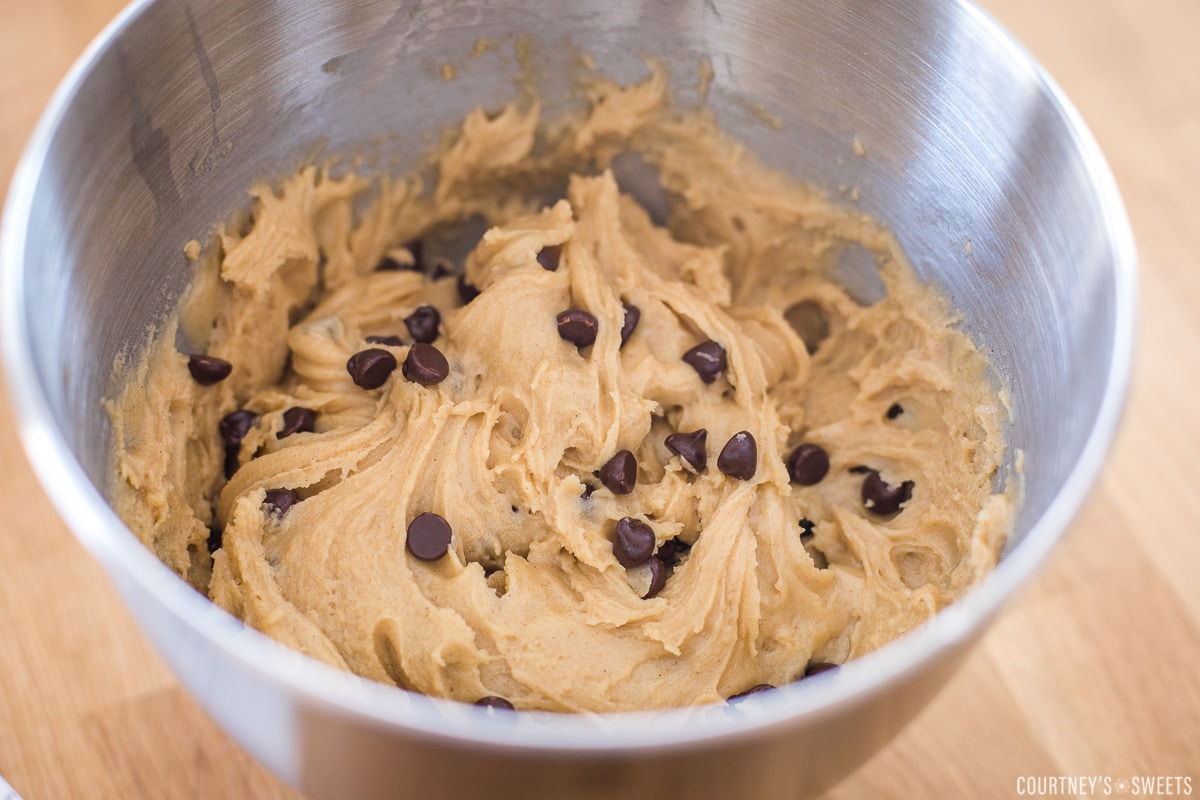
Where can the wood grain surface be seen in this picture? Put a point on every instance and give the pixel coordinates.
(1094, 670)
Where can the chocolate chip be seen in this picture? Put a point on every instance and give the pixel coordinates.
(808, 464)
(548, 257)
(577, 326)
(428, 537)
(423, 324)
(491, 701)
(390, 341)
(670, 551)
(739, 456)
(588, 490)
(235, 425)
(708, 359)
(658, 577)
(282, 499)
(297, 420)
(215, 537)
(806, 531)
(690, 448)
(762, 687)
(208, 370)
(894, 410)
(634, 542)
(425, 365)
(370, 368)
(816, 668)
(467, 291)
(881, 498)
(620, 473)
(633, 315)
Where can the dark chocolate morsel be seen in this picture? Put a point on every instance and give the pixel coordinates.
(808, 464)
(235, 425)
(297, 420)
(282, 499)
(817, 667)
(370, 368)
(233, 428)
(214, 538)
(894, 410)
(881, 498)
(634, 542)
(670, 551)
(739, 456)
(428, 537)
(633, 315)
(467, 291)
(491, 701)
(423, 324)
(588, 489)
(390, 341)
(548, 257)
(806, 530)
(658, 576)
(762, 687)
(425, 365)
(577, 327)
(208, 370)
(708, 359)
(620, 473)
(690, 447)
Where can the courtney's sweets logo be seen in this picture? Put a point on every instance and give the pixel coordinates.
(1103, 785)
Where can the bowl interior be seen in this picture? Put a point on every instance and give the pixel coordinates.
(942, 127)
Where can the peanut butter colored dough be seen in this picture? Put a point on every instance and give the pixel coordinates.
(530, 603)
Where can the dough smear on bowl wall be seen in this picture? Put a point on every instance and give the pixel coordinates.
(603, 463)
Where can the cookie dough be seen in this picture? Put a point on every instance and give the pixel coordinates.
(611, 464)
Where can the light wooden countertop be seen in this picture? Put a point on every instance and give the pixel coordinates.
(1094, 670)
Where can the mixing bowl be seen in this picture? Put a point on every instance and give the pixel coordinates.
(925, 113)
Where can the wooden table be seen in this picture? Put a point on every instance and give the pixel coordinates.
(1094, 670)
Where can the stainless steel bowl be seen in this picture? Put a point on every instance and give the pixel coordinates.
(978, 163)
